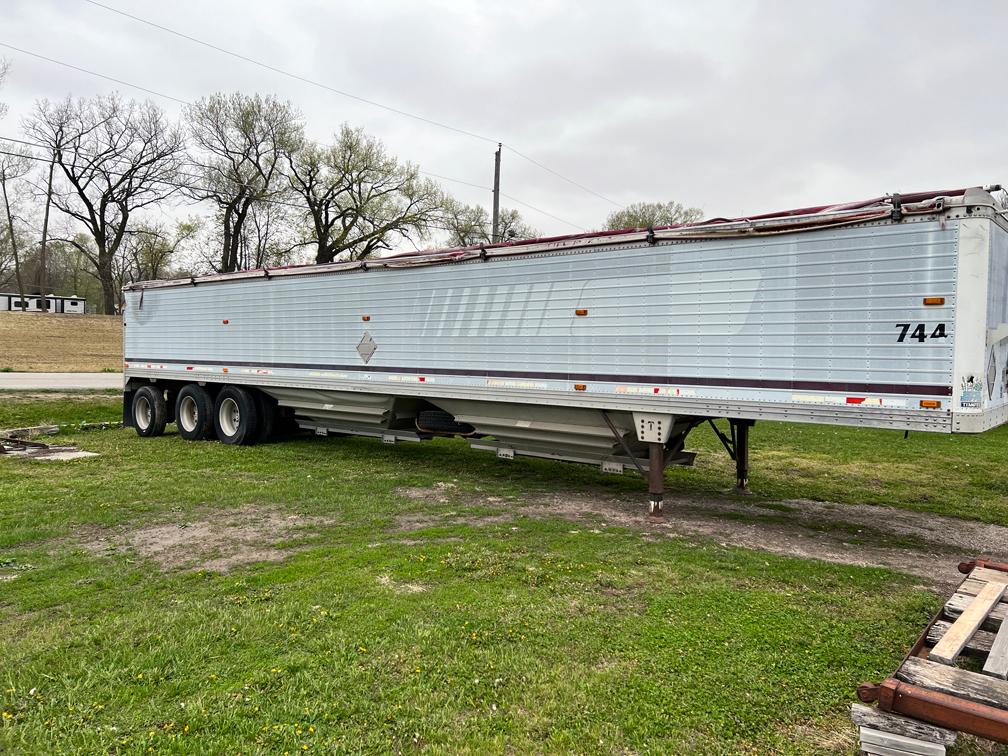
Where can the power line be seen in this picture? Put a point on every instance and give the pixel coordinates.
(91, 73)
(550, 170)
(198, 188)
(179, 186)
(344, 93)
(187, 102)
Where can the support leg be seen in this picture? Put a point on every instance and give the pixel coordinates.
(656, 478)
(740, 434)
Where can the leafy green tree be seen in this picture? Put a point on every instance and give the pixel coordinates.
(358, 198)
(652, 215)
(241, 145)
(469, 225)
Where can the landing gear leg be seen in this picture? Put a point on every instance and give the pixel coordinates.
(740, 435)
(656, 478)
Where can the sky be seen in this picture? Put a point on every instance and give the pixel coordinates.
(737, 107)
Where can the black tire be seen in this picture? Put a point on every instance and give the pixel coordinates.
(150, 413)
(235, 418)
(267, 410)
(194, 412)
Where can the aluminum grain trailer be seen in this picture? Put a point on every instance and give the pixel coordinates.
(604, 348)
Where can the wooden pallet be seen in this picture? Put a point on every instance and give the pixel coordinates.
(955, 675)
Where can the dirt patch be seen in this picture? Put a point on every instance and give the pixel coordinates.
(386, 581)
(927, 546)
(217, 542)
(410, 521)
(440, 492)
(40, 342)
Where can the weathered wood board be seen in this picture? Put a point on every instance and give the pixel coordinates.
(872, 738)
(972, 686)
(954, 640)
(997, 659)
(870, 716)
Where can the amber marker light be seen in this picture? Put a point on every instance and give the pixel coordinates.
(579, 387)
(930, 404)
(365, 318)
(581, 313)
(934, 300)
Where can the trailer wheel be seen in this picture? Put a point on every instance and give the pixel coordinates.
(150, 413)
(266, 411)
(194, 411)
(235, 416)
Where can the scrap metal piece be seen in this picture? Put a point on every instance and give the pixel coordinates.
(937, 708)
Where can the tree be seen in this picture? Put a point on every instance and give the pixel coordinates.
(653, 215)
(358, 198)
(241, 144)
(149, 250)
(114, 158)
(4, 70)
(469, 225)
(13, 165)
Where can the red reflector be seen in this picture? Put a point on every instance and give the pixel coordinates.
(188, 367)
(225, 322)
(422, 379)
(657, 390)
(855, 399)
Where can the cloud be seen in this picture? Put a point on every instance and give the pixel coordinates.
(736, 107)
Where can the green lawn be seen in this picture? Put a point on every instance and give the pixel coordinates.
(450, 624)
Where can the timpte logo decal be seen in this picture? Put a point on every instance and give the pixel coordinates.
(920, 332)
(971, 393)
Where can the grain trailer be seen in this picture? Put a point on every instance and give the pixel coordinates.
(604, 348)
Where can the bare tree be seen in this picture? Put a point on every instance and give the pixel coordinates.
(652, 215)
(149, 251)
(13, 166)
(115, 157)
(4, 70)
(469, 225)
(241, 146)
(358, 198)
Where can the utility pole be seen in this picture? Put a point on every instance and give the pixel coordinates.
(495, 237)
(44, 276)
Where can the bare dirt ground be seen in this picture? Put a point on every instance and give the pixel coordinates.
(41, 342)
(926, 546)
(218, 541)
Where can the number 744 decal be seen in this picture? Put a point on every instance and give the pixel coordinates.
(920, 332)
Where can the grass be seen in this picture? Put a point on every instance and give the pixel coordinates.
(38, 342)
(463, 635)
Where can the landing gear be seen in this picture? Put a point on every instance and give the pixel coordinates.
(656, 478)
(737, 446)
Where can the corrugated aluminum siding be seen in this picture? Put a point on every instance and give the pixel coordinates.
(815, 306)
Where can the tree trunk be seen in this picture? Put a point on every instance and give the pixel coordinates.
(324, 254)
(107, 281)
(43, 265)
(13, 242)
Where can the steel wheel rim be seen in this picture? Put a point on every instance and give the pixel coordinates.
(229, 416)
(142, 413)
(188, 414)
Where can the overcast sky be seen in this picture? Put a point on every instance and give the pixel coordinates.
(737, 107)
